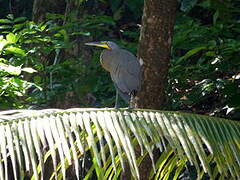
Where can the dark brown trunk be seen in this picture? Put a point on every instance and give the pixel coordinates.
(154, 49)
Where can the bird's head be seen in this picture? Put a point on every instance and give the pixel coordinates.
(104, 44)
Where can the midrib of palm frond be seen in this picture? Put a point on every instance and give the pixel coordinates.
(23, 136)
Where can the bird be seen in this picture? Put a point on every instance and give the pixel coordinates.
(124, 68)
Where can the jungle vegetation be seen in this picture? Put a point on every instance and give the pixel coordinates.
(45, 65)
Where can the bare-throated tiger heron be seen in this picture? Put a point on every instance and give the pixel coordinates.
(124, 68)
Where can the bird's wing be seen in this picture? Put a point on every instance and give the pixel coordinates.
(125, 96)
(126, 70)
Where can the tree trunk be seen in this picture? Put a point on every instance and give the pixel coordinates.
(154, 49)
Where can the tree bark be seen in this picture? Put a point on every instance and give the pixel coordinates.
(154, 50)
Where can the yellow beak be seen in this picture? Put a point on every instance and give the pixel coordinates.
(98, 44)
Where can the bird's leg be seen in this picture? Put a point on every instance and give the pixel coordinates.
(131, 100)
(116, 101)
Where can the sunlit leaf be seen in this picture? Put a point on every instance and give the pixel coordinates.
(29, 70)
(11, 38)
(15, 51)
(13, 70)
(6, 21)
(211, 145)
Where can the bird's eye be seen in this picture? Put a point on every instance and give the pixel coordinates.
(108, 44)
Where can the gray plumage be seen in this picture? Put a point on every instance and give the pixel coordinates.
(124, 68)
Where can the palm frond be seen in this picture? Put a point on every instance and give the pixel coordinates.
(210, 144)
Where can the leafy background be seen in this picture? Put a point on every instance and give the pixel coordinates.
(39, 70)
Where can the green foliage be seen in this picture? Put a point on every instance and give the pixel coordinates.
(104, 140)
(42, 47)
(87, 77)
(13, 87)
(204, 78)
(48, 48)
(204, 73)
